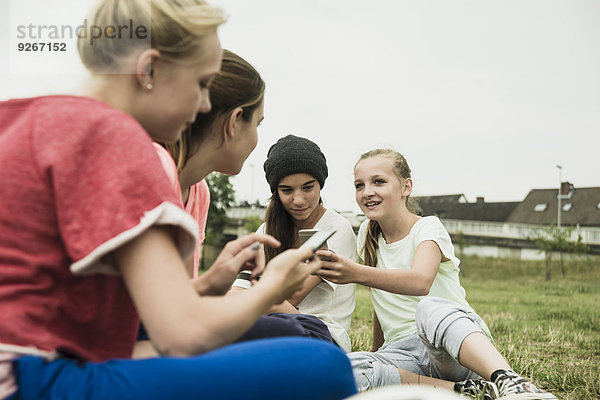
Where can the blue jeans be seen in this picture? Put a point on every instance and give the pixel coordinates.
(277, 325)
(283, 324)
(281, 368)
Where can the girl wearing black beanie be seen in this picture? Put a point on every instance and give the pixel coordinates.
(296, 170)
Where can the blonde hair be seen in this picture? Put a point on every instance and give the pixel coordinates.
(173, 27)
(402, 171)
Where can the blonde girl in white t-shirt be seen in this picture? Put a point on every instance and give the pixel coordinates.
(422, 321)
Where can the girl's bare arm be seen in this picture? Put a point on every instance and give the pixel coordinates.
(414, 281)
(178, 320)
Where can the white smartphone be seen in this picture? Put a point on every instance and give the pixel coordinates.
(316, 238)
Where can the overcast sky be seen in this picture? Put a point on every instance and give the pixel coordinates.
(483, 98)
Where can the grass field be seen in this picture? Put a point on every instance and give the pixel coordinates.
(548, 331)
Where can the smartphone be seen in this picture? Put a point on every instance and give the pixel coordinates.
(316, 238)
(305, 234)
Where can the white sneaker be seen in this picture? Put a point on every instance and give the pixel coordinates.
(479, 389)
(513, 386)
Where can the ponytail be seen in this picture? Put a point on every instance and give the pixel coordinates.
(369, 249)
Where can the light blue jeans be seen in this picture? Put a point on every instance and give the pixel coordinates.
(442, 325)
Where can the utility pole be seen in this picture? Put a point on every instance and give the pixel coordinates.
(559, 197)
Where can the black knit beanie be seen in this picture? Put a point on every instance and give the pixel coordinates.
(294, 155)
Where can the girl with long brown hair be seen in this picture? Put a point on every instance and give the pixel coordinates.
(296, 170)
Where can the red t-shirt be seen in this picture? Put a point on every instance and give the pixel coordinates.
(79, 179)
(198, 201)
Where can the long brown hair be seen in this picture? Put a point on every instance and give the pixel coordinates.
(238, 84)
(402, 171)
(280, 224)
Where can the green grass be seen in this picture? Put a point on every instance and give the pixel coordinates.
(548, 331)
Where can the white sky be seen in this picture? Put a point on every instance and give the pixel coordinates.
(483, 97)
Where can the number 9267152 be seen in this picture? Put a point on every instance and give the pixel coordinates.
(42, 46)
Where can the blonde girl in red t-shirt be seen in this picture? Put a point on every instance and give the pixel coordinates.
(90, 234)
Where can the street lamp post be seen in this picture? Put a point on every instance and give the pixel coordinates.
(559, 197)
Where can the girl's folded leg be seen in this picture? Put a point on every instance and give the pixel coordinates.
(385, 366)
(282, 368)
(443, 325)
(284, 324)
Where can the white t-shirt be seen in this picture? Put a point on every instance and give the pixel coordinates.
(333, 304)
(396, 313)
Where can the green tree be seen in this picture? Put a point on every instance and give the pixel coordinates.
(253, 222)
(555, 239)
(222, 197)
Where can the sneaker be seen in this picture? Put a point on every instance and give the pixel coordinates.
(479, 389)
(512, 386)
